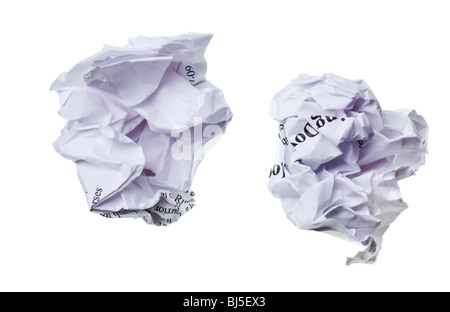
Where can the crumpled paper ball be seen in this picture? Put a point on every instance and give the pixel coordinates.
(340, 156)
(139, 121)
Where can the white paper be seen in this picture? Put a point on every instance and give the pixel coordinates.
(139, 121)
(340, 156)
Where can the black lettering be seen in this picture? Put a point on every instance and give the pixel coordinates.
(179, 199)
(308, 128)
(300, 138)
(320, 122)
(96, 198)
(360, 143)
(190, 73)
(276, 169)
(284, 140)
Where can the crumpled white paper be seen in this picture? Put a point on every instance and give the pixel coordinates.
(139, 120)
(340, 156)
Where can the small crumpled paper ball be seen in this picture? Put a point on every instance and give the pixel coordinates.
(139, 120)
(340, 156)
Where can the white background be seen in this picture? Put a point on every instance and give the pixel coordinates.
(238, 237)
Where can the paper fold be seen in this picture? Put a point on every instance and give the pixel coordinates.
(138, 118)
(340, 156)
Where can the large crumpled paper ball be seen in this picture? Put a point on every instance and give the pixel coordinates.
(340, 156)
(139, 120)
